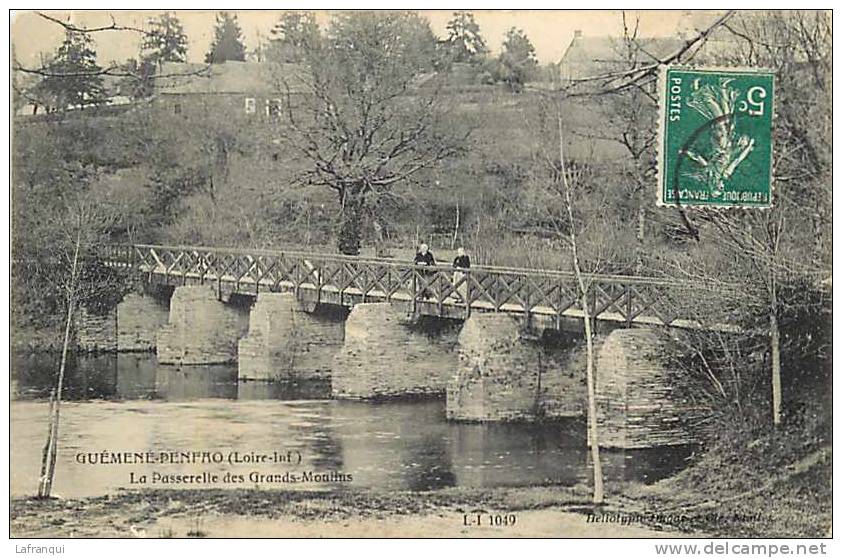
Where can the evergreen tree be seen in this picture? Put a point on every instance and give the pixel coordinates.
(464, 42)
(165, 42)
(294, 33)
(517, 61)
(140, 83)
(72, 77)
(227, 42)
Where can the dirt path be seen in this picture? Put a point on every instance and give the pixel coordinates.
(532, 523)
(264, 514)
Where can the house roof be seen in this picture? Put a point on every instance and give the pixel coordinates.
(183, 78)
(602, 52)
(460, 74)
(611, 49)
(259, 79)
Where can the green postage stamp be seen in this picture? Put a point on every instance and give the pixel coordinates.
(715, 137)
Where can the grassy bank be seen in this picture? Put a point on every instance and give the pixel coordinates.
(780, 478)
(542, 511)
(746, 501)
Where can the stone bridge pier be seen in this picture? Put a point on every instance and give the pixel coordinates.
(95, 331)
(642, 399)
(202, 329)
(140, 315)
(286, 342)
(129, 326)
(503, 375)
(388, 354)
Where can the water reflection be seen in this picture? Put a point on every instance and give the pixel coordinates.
(645, 465)
(214, 381)
(400, 443)
(136, 376)
(131, 376)
(429, 464)
(128, 402)
(314, 431)
(310, 389)
(505, 454)
(86, 377)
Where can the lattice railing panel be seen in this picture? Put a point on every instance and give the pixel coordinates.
(521, 291)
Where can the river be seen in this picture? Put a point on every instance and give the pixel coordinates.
(128, 403)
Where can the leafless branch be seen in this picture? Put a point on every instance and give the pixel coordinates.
(615, 81)
(76, 29)
(114, 70)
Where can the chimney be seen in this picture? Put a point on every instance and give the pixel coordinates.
(577, 34)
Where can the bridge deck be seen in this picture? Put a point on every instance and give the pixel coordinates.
(436, 290)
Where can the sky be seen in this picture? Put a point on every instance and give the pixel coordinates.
(550, 31)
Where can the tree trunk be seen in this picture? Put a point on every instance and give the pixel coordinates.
(455, 229)
(379, 240)
(48, 467)
(350, 227)
(593, 437)
(43, 485)
(593, 432)
(775, 341)
(641, 231)
(775, 338)
(818, 235)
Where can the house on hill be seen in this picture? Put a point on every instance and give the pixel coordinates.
(254, 91)
(37, 102)
(593, 56)
(242, 91)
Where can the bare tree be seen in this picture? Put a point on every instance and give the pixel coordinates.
(46, 70)
(82, 227)
(561, 186)
(618, 80)
(593, 433)
(758, 254)
(364, 124)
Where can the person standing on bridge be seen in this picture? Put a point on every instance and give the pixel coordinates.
(425, 258)
(461, 264)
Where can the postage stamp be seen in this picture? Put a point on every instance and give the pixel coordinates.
(715, 140)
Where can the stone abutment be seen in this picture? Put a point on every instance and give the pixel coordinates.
(201, 328)
(389, 354)
(503, 375)
(285, 342)
(642, 401)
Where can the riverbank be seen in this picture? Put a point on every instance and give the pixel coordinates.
(29, 339)
(755, 482)
(794, 503)
(538, 512)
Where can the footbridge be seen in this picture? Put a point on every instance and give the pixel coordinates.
(546, 295)
(378, 328)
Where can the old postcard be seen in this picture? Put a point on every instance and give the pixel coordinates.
(548, 274)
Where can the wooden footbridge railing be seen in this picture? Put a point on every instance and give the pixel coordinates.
(439, 291)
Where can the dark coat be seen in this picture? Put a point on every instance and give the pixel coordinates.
(424, 259)
(462, 262)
